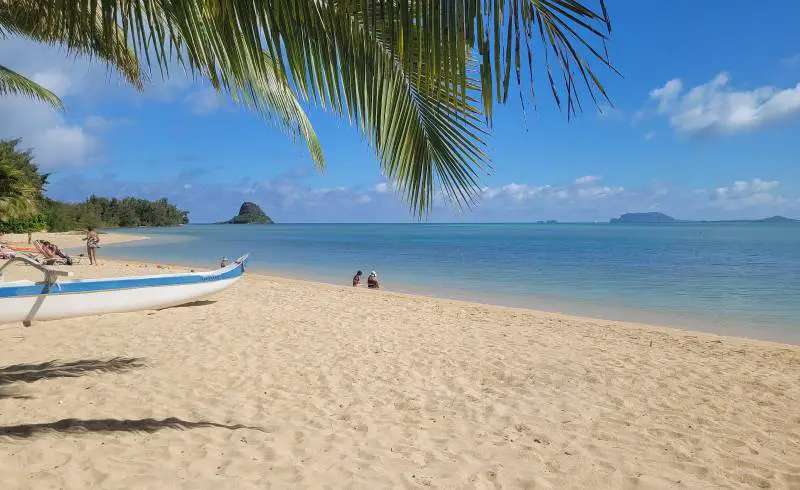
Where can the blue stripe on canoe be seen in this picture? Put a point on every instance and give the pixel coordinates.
(89, 286)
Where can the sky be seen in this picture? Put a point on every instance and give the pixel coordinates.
(704, 124)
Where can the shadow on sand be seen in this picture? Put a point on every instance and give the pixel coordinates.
(202, 302)
(9, 393)
(28, 373)
(106, 426)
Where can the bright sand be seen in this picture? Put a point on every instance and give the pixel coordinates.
(288, 384)
(66, 240)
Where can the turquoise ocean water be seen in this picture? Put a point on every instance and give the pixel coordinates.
(737, 279)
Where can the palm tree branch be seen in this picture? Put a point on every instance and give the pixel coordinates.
(12, 83)
(17, 195)
(395, 99)
(88, 34)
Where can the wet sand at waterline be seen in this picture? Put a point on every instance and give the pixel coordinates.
(290, 384)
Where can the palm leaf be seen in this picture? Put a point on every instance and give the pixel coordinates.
(398, 70)
(273, 97)
(87, 35)
(17, 195)
(12, 83)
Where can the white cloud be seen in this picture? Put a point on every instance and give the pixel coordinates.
(63, 145)
(324, 190)
(381, 188)
(204, 101)
(216, 199)
(669, 91)
(514, 192)
(742, 195)
(56, 81)
(55, 139)
(55, 142)
(519, 194)
(588, 179)
(714, 108)
(599, 192)
(649, 135)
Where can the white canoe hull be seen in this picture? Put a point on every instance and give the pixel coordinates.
(29, 302)
(83, 304)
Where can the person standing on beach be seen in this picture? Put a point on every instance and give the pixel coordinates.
(92, 244)
(357, 279)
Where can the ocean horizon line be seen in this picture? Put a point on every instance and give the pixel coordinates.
(466, 223)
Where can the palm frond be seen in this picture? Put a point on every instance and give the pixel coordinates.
(12, 83)
(17, 195)
(87, 34)
(569, 36)
(399, 70)
(427, 133)
(273, 97)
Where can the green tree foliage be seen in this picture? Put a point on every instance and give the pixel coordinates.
(22, 160)
(30, 224)
(102, 212)
(21, 184)
(24, 209)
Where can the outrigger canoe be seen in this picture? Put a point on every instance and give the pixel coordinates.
(53, 299)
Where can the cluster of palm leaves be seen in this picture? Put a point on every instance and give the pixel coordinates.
(17, 195)
(417, 77)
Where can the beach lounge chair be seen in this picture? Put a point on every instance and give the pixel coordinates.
(73, 260)
(27, 252)
(47, 251)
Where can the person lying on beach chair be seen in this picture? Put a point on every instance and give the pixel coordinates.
(60, 253)
(48, 251)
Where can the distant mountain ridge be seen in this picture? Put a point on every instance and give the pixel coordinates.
(250, 214)
(654, 217)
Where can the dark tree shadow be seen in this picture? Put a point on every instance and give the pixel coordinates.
(28, 373)
(77, 426)
(8, 393)
(202, 302)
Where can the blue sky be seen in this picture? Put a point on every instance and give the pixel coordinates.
(705, 124)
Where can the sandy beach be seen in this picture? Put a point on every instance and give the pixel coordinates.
(67, 239)
(277, 383)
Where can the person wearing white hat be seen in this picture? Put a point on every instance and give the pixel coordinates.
(372, 280)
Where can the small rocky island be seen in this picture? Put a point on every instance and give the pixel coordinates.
(778, 219)
(250, 214)
(644, 218)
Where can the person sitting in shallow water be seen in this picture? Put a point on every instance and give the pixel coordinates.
(372, 281)
(357, 279)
